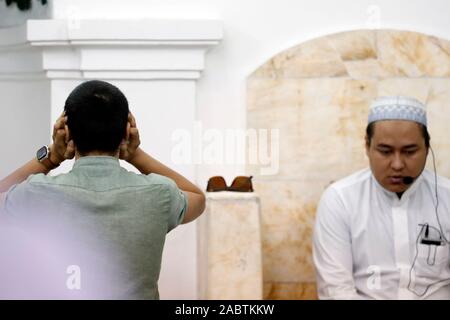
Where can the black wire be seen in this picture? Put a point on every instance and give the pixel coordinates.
(414, 263)
(437, 198)
(418, 237)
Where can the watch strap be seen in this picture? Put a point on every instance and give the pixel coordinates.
(49, 164)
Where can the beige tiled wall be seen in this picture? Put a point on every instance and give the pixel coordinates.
(317, 94)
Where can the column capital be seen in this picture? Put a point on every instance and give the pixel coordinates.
(107, 49)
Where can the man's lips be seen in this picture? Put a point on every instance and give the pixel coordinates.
(396, 179)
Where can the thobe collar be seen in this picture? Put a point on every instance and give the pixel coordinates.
(392, 196)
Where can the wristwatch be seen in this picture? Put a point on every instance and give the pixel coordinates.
(43, 156)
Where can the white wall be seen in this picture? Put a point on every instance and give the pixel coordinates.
(254, 32)
(257, 30)
(24, 121)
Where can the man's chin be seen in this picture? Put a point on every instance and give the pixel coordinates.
(397, 188)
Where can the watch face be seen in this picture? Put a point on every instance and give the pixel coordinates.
(41, 153)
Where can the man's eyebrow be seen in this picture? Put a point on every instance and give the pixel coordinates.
(382, 145)
(410, 146)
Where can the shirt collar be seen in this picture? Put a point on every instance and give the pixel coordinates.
(392, 195)
(95, 161)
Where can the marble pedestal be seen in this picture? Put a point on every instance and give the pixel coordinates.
(229, 247)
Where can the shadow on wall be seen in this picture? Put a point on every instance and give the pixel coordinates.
(317, 94)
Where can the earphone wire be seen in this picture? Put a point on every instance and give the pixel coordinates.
(436, 206)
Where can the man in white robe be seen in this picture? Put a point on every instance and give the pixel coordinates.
(382, 233)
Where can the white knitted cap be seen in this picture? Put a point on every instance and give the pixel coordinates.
(397, 108)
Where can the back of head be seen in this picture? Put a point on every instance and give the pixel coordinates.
(97, 114)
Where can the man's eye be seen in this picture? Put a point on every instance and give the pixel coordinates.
(410, 152)
(384, 151)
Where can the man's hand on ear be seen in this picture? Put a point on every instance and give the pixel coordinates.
(62, 148)
(131, 142)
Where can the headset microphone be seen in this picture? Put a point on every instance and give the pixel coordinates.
(408, 180)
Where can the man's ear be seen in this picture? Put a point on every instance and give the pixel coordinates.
(367, 144)
(68, 136)
(127, 133)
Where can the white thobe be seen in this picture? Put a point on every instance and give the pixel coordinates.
(367, 241)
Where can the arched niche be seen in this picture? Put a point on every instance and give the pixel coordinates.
(317, 94)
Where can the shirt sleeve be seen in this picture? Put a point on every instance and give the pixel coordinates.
(2, 203)
(332, 252)
(11, 200)
(178, 206)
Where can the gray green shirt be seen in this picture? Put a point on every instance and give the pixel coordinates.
(127, 213)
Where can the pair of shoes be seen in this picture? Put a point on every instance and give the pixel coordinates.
(240, 184)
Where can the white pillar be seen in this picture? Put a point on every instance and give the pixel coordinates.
(154, 62)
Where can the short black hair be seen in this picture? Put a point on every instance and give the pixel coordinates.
(97, 115)
(370, 129)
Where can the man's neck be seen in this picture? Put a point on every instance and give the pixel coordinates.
(96, 153)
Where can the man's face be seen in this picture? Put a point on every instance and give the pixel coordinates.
(397, 150)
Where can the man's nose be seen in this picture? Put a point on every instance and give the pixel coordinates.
(397, 162)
